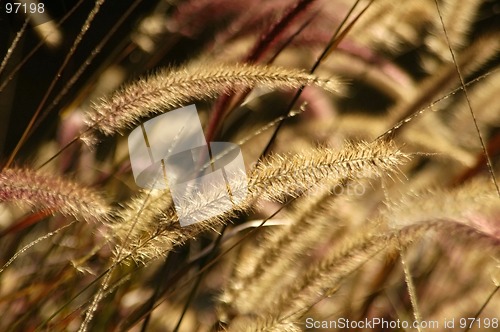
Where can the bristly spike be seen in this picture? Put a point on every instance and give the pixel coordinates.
(173, 88)
(148, 232)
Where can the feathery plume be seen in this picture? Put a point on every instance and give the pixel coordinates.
(173, 88)
(280, 176)
(325, 277)
(49, 192)
(273, 179)
(282, 250)
(475, 204)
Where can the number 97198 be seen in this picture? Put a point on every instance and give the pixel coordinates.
(24, 7)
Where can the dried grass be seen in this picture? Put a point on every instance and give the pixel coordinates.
(373, 206)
